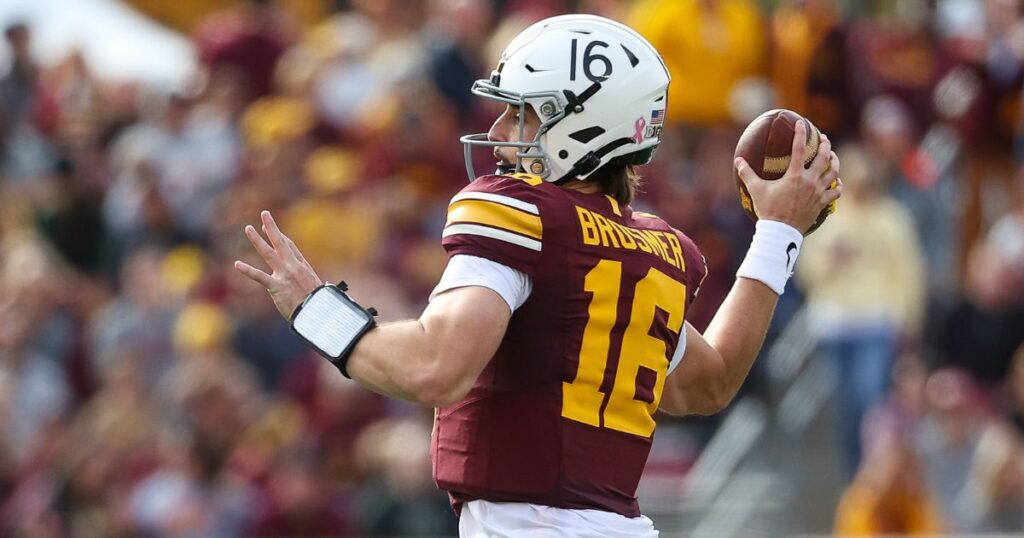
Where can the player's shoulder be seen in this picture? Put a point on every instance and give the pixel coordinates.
(525, 193)
(501, 218)
(523, 187)
(651, 221)
(645, 217)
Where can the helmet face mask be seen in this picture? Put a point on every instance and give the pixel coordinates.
(598, 88)
(531, 151)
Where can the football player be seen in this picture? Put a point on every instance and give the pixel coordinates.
(559, 328)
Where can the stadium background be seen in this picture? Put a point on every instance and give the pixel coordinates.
(147, 390)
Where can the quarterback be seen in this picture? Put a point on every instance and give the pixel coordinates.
(558, 328)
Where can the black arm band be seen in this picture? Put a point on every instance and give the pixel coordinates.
(331, 322)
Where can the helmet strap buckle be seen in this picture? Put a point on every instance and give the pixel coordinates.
(576, 101)
(587, 164)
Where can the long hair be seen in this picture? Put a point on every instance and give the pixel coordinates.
(618, 180)
(619, 177)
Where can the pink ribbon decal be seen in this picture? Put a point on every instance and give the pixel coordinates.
(640, 125)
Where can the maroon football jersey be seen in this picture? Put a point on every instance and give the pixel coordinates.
(563, 414)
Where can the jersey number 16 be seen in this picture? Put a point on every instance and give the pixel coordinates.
(582, 399)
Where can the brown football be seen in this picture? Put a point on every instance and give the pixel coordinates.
(766, 145)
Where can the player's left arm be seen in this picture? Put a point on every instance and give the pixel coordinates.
(433, 360)
(716, 363)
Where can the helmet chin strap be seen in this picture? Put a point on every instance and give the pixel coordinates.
(536, 167)
(505, 169)
(591, 161)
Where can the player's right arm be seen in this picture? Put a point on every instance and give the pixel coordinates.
(716, 363)
(433, 360)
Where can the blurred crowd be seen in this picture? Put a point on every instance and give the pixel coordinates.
(147, 389)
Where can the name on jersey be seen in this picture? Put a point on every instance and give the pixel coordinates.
(599, 231)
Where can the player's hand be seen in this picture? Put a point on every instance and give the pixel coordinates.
(801, 193)
(291, 278)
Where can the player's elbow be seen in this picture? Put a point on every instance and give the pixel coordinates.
(714, 402)
(704, 399)
(703, 404)
(716, 394)
(437, 386)
(709, 392)
(710, 397)
(440, 394)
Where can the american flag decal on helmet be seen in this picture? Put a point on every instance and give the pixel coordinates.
(657, 117)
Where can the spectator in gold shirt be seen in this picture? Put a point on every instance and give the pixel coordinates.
(865, 288)
(708, 46)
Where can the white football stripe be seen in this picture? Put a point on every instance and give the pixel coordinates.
(493, 233)
(677, 355)
(491, 197)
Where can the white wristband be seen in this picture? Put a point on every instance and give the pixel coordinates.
(772, 254)
(333, 323)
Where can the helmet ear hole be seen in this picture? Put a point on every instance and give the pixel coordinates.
(563, 154)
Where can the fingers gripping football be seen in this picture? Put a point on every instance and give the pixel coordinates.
(833, 183)
(291, 277)
(800, 195)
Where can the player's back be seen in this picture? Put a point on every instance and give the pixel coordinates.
(563, 413)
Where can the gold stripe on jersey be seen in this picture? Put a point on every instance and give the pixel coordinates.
(493, 233)
(615, 205)
(530, 179)
(597, 230)
(496, 215)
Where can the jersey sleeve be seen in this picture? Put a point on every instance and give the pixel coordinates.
(497, 218)
(513, 286)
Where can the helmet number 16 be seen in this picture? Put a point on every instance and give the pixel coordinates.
(589, 57)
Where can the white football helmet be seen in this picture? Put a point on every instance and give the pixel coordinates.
(599, 88)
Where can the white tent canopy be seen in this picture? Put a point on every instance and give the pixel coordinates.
(118, 43)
